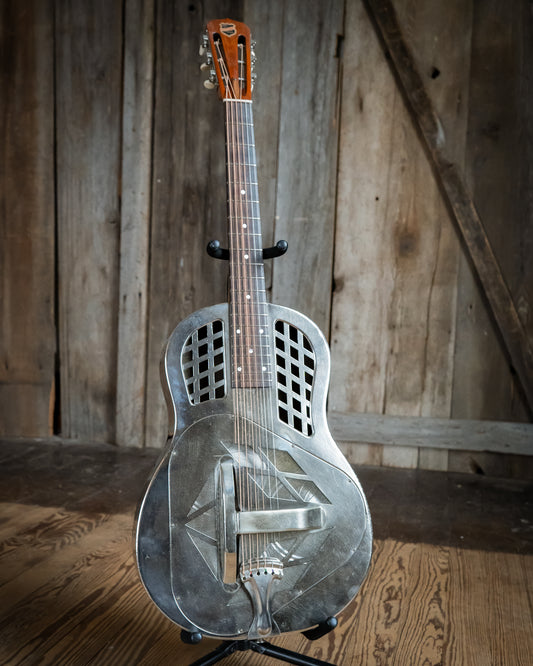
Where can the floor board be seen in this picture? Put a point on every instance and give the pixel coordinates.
(450, 582)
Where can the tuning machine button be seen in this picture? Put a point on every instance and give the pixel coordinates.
(211, 82)
(204, 43)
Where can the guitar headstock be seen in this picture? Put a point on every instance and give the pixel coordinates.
(229, 58)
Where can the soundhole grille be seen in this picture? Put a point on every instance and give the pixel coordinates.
(203, 363)
(295, 373)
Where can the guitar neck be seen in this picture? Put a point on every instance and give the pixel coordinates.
(251, 364)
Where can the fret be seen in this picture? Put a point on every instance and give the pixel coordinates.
(242, 325)
(254, 201)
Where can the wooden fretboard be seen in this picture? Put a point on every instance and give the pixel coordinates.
(251, 364)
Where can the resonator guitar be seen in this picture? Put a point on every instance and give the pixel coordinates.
(253, 523)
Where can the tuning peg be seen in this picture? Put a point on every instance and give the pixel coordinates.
(211, 82)
(204, 43)
(204, 66)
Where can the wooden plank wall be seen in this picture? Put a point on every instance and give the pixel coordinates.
(27, 248)
(113, 182)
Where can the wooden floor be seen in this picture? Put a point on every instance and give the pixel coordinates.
(451, 580)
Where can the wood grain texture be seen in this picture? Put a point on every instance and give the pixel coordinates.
(27, 253)
(449, 434)
(88, 105)
(499, 152)
(410, 335)
(137, 109)
(307, 157)
(396, 253)
(452, 184)
(420, 604)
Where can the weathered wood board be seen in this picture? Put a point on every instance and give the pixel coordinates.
(307, 156)
(393, 320)
(499, 154)
(136, 170)
(88, 142)
(27, 252)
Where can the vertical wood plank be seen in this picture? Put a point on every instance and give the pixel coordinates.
(188, 188)
(28, 336)
(266, 23)
(363, 254)
(135, 221)
(307, 157)
(433, 459)
(396, 264)
(500, 149)
(396, 259)
(400, 456)
(88, 114)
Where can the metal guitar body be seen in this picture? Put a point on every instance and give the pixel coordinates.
(268, 535)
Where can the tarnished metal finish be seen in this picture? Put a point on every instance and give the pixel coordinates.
(232, 469)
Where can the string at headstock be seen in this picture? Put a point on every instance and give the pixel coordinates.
(230, 58)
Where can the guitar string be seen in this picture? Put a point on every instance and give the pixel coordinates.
(255, 272)
(260, 333)
(268, 395)
(249, 398)
(250, 305)
(240, 287)
(240, 290)
(240, 324)
(235, 301)
(259, 398)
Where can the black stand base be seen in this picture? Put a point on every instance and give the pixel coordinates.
(229, 647)
(262, 647)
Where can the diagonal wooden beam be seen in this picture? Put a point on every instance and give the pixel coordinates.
(455, 192)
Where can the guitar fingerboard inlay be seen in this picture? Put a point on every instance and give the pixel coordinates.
(202, 363)
(295, 372)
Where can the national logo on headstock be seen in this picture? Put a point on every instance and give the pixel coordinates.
(228, 29)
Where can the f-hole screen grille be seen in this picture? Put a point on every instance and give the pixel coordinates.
(202, 363)
(295, 372)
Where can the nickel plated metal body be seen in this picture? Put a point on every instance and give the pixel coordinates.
(253, 523)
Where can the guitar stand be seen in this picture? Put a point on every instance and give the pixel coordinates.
(214, 250)
(263, 647)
